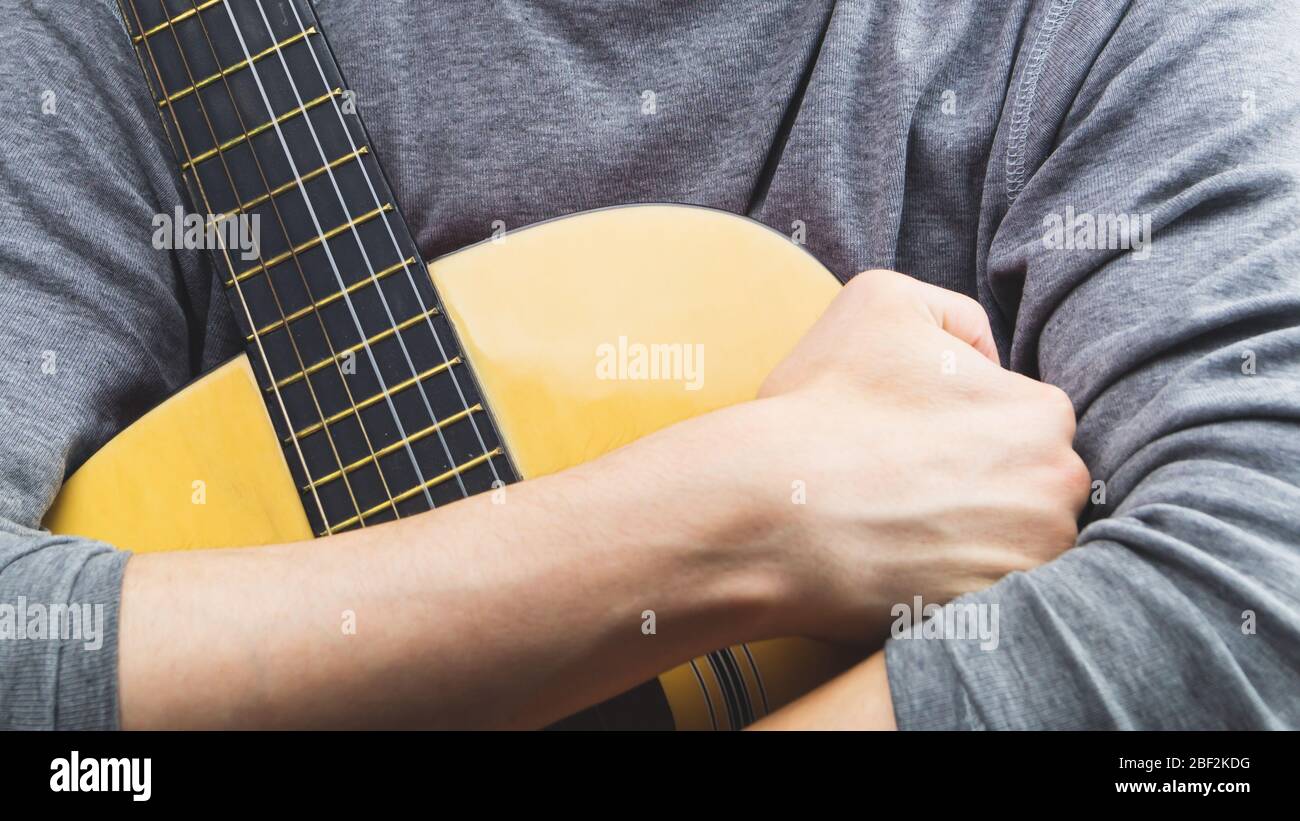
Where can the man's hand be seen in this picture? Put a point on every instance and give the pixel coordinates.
(928, 470)
(924, 467)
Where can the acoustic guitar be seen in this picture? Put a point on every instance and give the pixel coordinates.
(376, 386)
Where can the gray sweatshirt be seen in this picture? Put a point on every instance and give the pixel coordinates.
(1117, 183)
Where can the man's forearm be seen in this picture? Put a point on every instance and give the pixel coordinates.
(516, 614)
(478, 614)
(858, 699)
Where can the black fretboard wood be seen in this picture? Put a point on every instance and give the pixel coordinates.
(258, 115)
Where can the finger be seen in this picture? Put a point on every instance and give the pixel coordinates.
(955, 313)
(960, 316)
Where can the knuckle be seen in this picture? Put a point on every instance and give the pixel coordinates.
(970, 304)
(882, 276)
(874, 283)
(1057, 398)
(1075, 475)
(1058, 405)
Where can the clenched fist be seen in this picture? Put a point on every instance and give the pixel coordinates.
(890, 455)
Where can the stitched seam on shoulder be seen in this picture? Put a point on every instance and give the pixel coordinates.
(1024, 105)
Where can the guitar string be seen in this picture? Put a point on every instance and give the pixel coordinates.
(203, 110)
(708, 700)
(758, 676)
(284, 411)
(740, 688)
(740, 708)
(734, 688)
(735, 710)
(334, 267)
(409, 276)
(724, 685)
(400, 255)
(288, 331)
(339, 114)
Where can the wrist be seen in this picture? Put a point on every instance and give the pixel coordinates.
(711, 533)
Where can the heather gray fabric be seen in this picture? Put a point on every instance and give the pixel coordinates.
(936, 139)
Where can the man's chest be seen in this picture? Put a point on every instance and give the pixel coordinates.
(864, 136)
(520, 112)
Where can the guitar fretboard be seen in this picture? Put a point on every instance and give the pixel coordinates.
(377, 410)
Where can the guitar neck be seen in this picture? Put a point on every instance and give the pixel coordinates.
(365, 381)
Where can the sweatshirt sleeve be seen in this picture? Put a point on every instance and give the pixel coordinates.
(1179, 345)
(96, 326)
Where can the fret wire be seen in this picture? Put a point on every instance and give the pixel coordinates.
(309, 244)
(139, 59)
(284, 411)
(284, 321)
(203, 110)
(242, 64)
(329, 300)
(379, 337)
(293, 7)
(253, 153)
(365, 403)
(395, 446)
(420, 488)
(248, 135)
(172, 21)
(280, 189)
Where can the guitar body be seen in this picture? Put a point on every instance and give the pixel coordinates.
(553, 318)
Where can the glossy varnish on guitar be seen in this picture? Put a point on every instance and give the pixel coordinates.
(373, 389)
